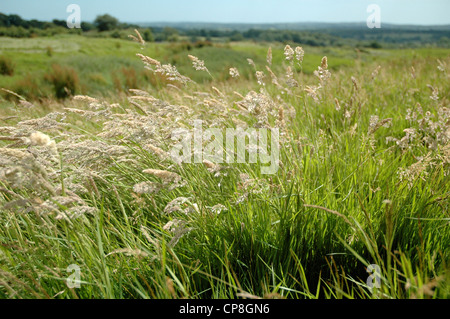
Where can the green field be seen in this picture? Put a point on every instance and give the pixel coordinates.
(363, 177)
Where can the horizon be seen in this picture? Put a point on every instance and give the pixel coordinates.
(279, 23)
(399, 12)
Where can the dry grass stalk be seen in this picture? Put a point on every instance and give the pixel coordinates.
(138, 39)
(269, 56)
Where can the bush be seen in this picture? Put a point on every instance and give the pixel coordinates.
(130, 78)
(106, 22)
(6, 66)
(115, 34)
(49, 51)
(28, 87)
(64, 80)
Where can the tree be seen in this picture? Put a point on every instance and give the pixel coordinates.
(169, 34)
(106, 22)
(60, 23)
(375, 45)
(148, 35)
(86, 26)
(16, 20)
(236, 36)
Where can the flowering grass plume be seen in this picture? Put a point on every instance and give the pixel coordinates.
(198, 64)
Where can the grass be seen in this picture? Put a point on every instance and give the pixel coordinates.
(351, 191)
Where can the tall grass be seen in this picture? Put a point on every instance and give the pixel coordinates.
(6, 66)
(64, 80)
(363, 180)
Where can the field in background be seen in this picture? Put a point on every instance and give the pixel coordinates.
(363, 178)
(106, 66)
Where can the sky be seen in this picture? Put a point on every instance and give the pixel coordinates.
(420, 12)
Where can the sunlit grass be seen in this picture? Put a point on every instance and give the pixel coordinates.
(346, 195)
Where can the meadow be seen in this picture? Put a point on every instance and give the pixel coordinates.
(94, 206)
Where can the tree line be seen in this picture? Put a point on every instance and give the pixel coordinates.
(106, 25)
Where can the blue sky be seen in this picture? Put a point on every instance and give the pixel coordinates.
(253, 11)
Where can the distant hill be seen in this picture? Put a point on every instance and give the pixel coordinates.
(299, 26)
(317, 33)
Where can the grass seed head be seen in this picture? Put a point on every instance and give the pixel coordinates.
(234, 72)
(269, 56)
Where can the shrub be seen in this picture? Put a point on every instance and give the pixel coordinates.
(6, 66)
(49, 51)
(130, 78)
(115, 34)
(64, 80)
(28, 87)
